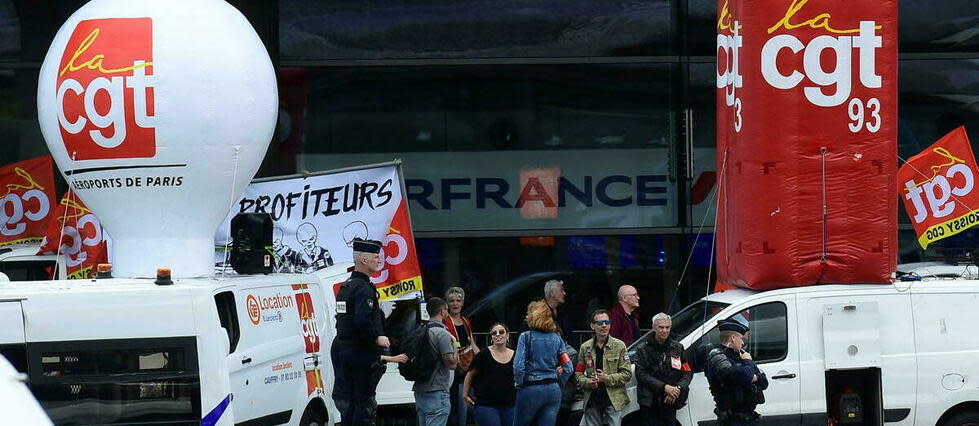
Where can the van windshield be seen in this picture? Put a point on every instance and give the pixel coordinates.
(687, 320)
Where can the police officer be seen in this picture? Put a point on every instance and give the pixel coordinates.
(735, 380)
(360, 338)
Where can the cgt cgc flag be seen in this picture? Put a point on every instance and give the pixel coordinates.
(806, 142)
(27, 200)
(76, 233)
(938, 187)
(316, 219)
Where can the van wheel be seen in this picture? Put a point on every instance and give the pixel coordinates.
(967, 418)
(312, 417)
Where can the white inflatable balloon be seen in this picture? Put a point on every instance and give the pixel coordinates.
(158, 113)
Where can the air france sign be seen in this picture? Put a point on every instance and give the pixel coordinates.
(514, 190)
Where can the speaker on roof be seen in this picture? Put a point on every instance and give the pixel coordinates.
(251, 243)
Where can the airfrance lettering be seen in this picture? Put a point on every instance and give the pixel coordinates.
(325, 201)
(648, 190)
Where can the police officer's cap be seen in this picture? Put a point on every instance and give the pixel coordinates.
(367, 246)
(732, 325)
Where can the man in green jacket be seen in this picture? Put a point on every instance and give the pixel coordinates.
(603, 372)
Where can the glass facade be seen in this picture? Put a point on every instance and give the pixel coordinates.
(599, 113)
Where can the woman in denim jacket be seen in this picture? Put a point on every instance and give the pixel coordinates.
(539, 365)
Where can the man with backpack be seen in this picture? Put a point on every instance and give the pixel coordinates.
(432, 360)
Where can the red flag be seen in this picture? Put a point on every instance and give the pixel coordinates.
(938, 187)
(26, 201)
(81, 239)
(401, 273)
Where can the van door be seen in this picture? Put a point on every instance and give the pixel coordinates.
(267, 364)
(13, 343)
(773, 344)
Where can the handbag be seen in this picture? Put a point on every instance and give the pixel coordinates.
(466, 356)
(468, 353)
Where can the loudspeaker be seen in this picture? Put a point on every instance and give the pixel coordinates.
(251, 243)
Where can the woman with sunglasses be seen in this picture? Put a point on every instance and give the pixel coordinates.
(539, 366)
(490, 377)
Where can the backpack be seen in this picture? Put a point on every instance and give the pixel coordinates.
(422, 360)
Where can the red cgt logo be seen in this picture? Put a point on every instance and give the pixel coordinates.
(105, 90)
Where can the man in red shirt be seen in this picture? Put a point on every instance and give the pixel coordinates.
(625, 319)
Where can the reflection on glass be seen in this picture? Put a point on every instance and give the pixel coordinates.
(489, 108)
(10, 30)
(473, 29)
(938, 26)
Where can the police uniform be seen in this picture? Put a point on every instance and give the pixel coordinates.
(730, 379)
(355, 352)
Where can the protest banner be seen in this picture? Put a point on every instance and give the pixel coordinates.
(317, 218)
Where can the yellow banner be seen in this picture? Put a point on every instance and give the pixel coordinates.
(948, 228)
(404, 289)
(30, 240)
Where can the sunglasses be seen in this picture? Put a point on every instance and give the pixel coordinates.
(602, 322)
(497, 333)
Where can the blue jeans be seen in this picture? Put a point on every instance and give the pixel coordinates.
(493, 416)
(538, 405)
(433, 408)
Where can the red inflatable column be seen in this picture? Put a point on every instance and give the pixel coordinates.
(806, 142)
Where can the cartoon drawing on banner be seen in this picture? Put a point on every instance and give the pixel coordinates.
(312, 257)
(355, 229)
(316, 219)
(286, 257)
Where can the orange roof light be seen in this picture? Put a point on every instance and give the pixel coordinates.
(163, 277)
(103, 270)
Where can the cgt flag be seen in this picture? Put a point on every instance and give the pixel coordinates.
(939, 188)
(25, 204)
(80, 233)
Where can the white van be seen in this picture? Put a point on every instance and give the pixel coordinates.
(224, 351)
(908, 350)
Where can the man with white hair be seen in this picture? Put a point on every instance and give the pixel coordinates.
(625, 319)
(554, 297)
(662, 375)
(312, 257)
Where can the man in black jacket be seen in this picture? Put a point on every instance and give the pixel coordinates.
(735, 381)
(360, 338)
(663, 375)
